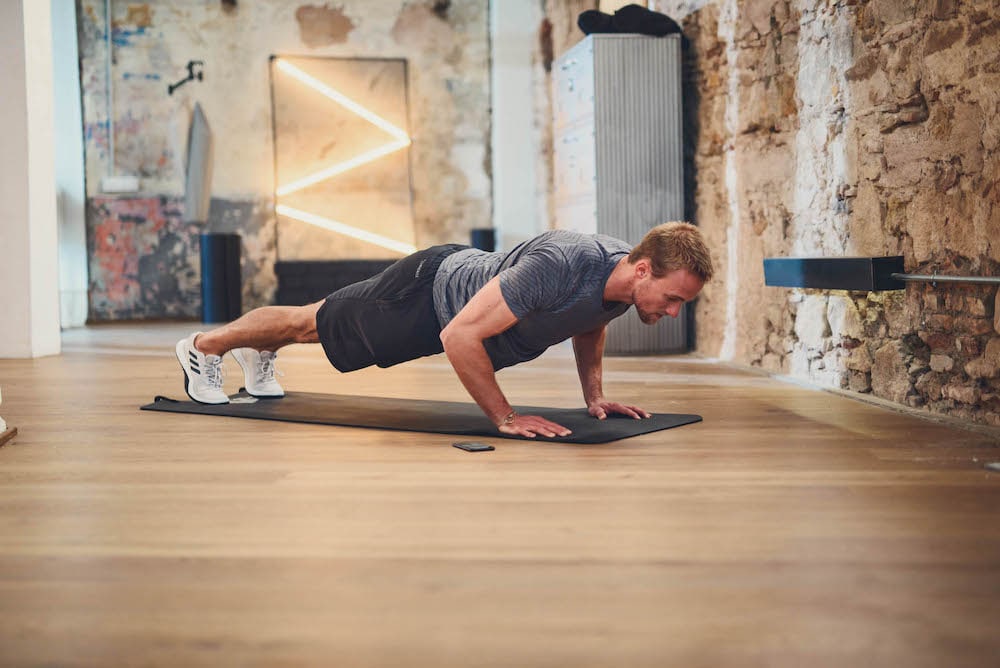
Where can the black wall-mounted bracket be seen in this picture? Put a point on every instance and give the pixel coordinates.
(835, 273)
(864, 274)
(194, 68)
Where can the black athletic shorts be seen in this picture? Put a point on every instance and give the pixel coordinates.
(386, 319)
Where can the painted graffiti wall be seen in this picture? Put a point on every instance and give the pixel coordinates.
(144, 253)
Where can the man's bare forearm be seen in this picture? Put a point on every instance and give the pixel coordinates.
(473, 366)
(487, 314)
(589, 351)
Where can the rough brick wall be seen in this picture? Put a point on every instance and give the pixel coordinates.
(926, 127)
(705, 135)
(850, 128)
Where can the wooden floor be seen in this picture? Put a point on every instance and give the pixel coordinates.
(792, 527)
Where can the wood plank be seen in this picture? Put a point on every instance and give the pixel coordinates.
(791, 527)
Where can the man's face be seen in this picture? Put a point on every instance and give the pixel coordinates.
(657, 297)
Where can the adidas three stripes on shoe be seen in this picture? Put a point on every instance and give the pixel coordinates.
(202, 373)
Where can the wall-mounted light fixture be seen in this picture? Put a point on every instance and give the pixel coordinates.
(348, 230)
(341, 167)
(400, 140)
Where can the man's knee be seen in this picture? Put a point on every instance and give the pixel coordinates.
(306, 323)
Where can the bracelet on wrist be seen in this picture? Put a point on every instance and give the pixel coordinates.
(508, 419)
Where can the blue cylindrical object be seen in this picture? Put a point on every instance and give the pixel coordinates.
(483, 238)
(221, 297)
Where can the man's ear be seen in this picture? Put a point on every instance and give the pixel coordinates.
(642, 268)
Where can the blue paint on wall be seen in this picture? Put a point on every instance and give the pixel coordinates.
(122, 37)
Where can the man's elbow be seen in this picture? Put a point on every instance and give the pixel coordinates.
(456, 337)
(449, 335)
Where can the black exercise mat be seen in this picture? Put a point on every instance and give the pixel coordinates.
(443, 417)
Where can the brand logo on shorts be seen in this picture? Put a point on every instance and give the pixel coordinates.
(419, 267)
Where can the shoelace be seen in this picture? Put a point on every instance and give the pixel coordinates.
(213, 372)
(265, 369)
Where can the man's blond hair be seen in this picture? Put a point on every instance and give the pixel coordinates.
(673, 246)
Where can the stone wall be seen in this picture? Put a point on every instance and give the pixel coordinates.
(925, 129)
(850, 128)
(445, 43)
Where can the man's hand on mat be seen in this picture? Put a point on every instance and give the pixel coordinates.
(533, 425)
(601, 409)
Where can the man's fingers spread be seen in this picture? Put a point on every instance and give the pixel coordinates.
(635, 411)
(543, 431)
(627, 410)
(550, 425)
(530, 426)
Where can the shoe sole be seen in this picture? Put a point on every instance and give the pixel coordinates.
(181, 351)
(246, 375)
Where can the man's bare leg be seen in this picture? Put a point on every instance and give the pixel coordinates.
(265, 328)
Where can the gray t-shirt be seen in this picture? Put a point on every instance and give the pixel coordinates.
(553, 283)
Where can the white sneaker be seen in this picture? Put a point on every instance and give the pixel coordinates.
(202, 373)
(258, 372)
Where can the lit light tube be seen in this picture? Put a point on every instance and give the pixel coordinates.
(342, 167)
(343, 100)
(347, 230)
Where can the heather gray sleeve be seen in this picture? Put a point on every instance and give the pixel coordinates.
(539, 281)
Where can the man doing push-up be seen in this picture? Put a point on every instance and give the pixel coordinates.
(485, 311)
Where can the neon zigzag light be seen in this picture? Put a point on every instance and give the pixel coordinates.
(341, 167)
(402, 140)
(348, 230)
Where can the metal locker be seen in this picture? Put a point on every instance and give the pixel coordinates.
(618, 155)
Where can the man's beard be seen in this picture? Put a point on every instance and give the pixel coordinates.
(646, 317)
